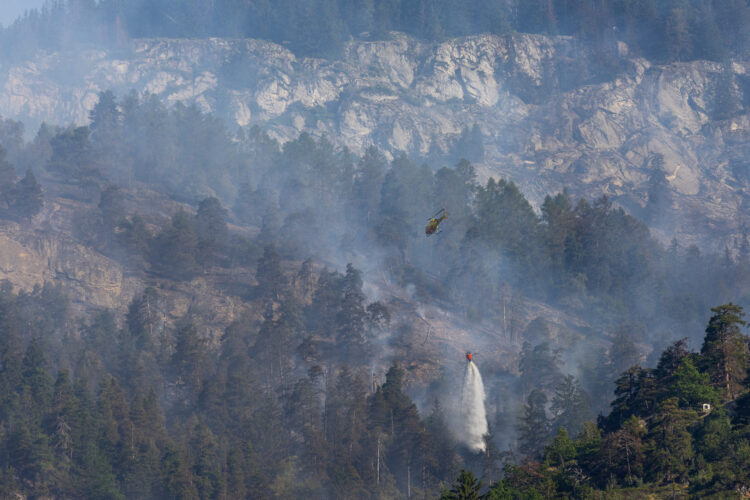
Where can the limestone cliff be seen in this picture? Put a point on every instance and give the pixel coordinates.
(46, 250)
(546, 118)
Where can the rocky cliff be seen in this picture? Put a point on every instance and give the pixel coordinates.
(546, 118)
(47, 250)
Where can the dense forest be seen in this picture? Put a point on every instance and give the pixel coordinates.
(96, 428)
(677, 430)
(283, 404)
(670, 30)
(312, 390)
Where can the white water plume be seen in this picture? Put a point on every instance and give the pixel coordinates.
(471, 409)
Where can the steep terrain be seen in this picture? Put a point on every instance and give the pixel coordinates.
(548, 118)
(429, 337)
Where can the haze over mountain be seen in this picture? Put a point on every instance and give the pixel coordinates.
(216, 278)
(534, 109)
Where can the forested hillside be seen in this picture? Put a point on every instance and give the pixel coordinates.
(673, 30)
(679, 430)
(283, 404)
(192, 309)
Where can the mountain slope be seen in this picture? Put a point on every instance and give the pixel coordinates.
(548, 115)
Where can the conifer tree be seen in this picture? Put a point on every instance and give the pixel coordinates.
(725, 350)
(7, 181)
(210, 229)
(350, 319)
(466, 487)
(533, 425)
(190, 360)
(570, 406)
(271, 280)
(27, 197)
(174, 251)
(669, 445)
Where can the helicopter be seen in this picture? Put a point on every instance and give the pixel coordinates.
(434, 222)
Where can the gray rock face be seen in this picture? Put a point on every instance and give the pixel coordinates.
(545, 125)
(39, 253)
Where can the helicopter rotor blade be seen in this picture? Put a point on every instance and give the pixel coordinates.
(437, 213)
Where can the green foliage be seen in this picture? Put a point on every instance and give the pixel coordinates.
(725, 350)
(533, 425)
(174, 250)
(210, 229)
(662, 30)
(691, 386)
(71, 155)
(22, 199)
(571, 406)
(466, 487)
(271, 280)
(539, 366)
(670, 448)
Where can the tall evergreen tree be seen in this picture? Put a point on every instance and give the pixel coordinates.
(466, 487)
(534, 426)
(570, 406)
(27, 197)
(725, 350)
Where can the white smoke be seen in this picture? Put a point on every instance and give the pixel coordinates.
(471, 410)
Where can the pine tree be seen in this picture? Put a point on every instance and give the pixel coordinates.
(623, 353)
(106, 136)
(725, 350)
(561, 449)
(36, 382)
(174, 251)
(368, 183)
(466, 487)
(669, 448)
(237, 471)
(571, 406)
(534, 426)
(112, 207)
(691, 386)
(207, 468)
(27, 197)
(143, 318)
(671, 358)
(635, 394)
(271, 280)
(72, 156)
(7, 181)
(539, 367)
(443, 442)
(622, 453)
(350, 319)
(190, 359)
(210, 228)
(177, 478)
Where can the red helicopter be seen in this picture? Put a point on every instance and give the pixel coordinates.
(468, 357)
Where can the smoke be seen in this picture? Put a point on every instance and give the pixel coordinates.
(13, 9)
(471, 410)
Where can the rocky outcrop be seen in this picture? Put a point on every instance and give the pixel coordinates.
(548, 120)
(33, 259)
(46, 251)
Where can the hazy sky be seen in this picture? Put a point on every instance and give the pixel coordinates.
(11, 9)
